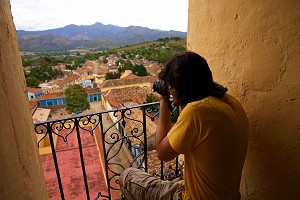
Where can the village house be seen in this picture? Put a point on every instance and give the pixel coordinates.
(145, 81)
(33, 93)
(153, 69)
(116, 97)
(52, 99)
(111, 60)
(46, 87)
(83, 71)
(59, 98)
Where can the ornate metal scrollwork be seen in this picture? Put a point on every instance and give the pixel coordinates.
(124, 140)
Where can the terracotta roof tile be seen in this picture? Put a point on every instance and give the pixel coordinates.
(34, 90)
(89, 63)
(153, 69)
(134, 94)
(52, 96)
(121, 82)
(90, 90)
(102, 70)
(130, 76)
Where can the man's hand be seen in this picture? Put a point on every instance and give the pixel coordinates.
(158, 96)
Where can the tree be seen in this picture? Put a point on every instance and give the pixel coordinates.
(32, 82)
(44, 73)
(76, 99)
(150, 98)
(26, 63)
(112, 75)
(139, 70)
(104, 60)
(71, 67)
(128, 65)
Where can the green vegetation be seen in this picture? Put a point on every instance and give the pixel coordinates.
(150, 98)
(44, 73)
(157, 50)
(54, 59)
(112, 75)
(32, 82)
(41, 65)
(76, 99)
(137, 69)
(160, 50)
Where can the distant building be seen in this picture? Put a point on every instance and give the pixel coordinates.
(145, 81)
(52, 99)
(59, 98)
(34, 93)
(118, 97)
(94, 94)
(41, 115)
(86, 83)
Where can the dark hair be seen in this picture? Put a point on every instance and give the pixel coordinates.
(189, 73)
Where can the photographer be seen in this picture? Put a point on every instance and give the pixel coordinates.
(211, 133)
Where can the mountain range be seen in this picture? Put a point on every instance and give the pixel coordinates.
(96, 36)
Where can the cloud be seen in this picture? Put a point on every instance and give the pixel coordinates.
(47, 14)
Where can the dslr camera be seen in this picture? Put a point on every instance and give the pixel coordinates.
(161, 88)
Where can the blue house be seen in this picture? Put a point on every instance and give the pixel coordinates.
(34, 93)
(94, 97)
(86, 83)
(94, 94)
(59, 98)
(52, 99)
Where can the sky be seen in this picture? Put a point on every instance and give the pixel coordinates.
(32, 15)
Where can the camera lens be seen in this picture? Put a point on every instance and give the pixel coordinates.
(160, 87)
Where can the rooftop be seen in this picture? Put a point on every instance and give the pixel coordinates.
(54, 95)
(119, 96)
(41, 115)
(122, 82)
(34, 90)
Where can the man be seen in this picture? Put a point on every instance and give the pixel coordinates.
(211, 132)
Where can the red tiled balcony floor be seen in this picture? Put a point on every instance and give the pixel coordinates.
(70, 167)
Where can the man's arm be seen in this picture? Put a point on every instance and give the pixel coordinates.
(165, 152)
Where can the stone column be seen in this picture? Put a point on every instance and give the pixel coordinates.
(21, 175)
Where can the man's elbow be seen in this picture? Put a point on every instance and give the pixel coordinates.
(164, 150)
(163, 157)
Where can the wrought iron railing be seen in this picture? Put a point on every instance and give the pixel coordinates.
(121, 136)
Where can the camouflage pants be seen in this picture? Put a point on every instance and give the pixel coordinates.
(139, 185)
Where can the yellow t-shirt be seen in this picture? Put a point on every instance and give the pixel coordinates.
(213, 136)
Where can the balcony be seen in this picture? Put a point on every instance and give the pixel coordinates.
(83, 156)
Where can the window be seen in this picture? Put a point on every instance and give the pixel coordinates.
(95, 96)
(49, 103)
(60, 101)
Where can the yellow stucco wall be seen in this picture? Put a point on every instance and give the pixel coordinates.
(253, 48)
(20, 167)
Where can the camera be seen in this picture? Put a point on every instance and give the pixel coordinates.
(161, 88)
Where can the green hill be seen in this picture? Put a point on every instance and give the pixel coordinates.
(89, 37)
